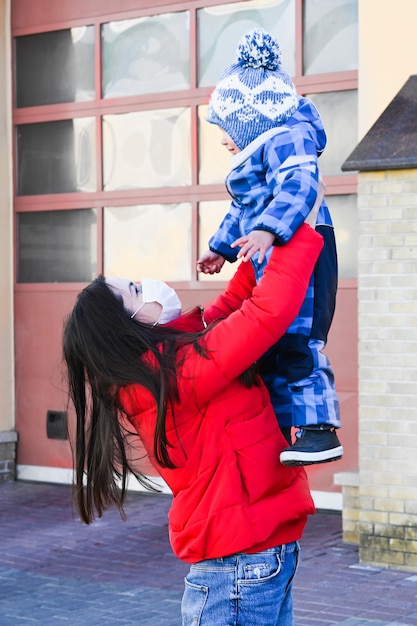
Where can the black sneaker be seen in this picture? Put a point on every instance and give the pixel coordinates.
(313, 446)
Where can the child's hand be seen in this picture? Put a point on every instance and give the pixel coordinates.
(256, 241)
(210, 263)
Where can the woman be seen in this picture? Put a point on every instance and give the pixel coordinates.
(206, 421)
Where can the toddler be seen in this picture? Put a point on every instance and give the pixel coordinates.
(275, 138)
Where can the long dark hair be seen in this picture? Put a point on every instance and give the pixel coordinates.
(102, 350)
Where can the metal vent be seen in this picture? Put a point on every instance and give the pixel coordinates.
(57, 424)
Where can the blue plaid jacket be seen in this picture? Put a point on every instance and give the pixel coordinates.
(273, 184)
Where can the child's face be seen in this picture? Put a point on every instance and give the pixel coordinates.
(228, 142)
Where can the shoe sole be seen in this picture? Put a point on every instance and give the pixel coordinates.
(292, 458)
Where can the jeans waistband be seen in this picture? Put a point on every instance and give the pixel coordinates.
(281, 550)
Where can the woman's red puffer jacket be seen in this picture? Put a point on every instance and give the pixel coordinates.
(230, 492)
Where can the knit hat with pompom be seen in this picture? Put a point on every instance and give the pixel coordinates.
(255, 93)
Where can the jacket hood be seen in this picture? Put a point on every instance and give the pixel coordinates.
(308, 114)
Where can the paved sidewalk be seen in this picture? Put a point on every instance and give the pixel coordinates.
(54, 571)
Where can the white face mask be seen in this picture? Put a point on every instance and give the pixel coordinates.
(158, 291)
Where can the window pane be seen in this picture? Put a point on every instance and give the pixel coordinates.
(146, 55)
(330, 36)
(57, 246)
(339, 111)
(219, 29)
(147, 149)
(210, 214)
(213, 158)
(151, 241)
(345, 220)
(55, 67)
(56, 157)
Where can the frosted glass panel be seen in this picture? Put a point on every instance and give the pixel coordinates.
(213, 158)
(55, 67)
(339, 111)
(56, 157)
(57, 246)
(146, 55)
(345, 220)
(330, 36)
(152, 241)
(219, 29)
(210, 215)
(147, 149)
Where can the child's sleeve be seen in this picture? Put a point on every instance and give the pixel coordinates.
(292, 175)
(227, 233)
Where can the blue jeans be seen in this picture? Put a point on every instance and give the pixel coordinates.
(242, 589)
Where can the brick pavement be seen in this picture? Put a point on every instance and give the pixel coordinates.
(54, 571)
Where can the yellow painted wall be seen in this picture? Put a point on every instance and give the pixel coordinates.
(387, 54)
(6, 236)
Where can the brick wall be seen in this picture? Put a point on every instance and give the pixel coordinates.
(387, 292)
(8, 440)
(349, 482)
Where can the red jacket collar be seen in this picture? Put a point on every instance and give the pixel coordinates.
(192, 321)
